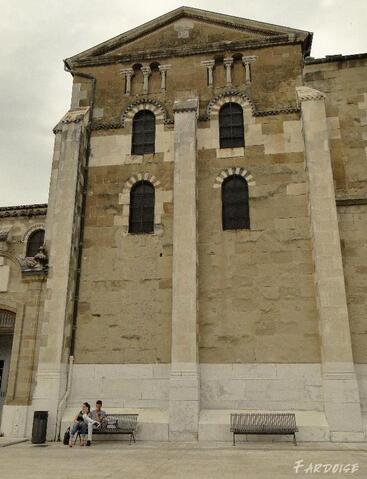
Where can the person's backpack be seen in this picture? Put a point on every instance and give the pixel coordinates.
(66, 437)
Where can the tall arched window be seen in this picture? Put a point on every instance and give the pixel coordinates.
(235, 203)
(143, 133)
(35, 241)
(141, 218)
(231, 133)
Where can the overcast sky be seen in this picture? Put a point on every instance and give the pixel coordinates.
(36, 35)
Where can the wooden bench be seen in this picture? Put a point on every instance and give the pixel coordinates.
(118, 424)
(264, 423)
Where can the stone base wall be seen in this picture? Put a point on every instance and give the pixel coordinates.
(121, 385)
(223, 386)
(262, 386)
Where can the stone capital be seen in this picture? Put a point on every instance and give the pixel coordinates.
(127, 71)
(164, 68)
(146, 70)
(250, 59)
(185, 105)
(228, 61)
(208, 63)
(305, 93)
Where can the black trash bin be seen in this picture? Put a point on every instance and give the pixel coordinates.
(39, 427)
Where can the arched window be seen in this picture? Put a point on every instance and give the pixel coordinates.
(141, 218)
(235, 203)
(143, 133)
(7, 321)
(231, 126)
(35, 241)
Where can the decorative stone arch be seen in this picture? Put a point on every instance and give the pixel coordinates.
(161, 197)
(150, 104)
(27, 234)
(11, 257)
(234, 171)
(29, 231)
(232, 96)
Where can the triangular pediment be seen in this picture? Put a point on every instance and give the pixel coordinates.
(189, 28)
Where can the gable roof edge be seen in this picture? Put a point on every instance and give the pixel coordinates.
(189, 12)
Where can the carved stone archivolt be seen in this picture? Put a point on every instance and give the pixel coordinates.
(151, 104)
(245, 101)
(234, 171)
(234, 96)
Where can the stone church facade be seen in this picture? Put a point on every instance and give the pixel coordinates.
(205, 238)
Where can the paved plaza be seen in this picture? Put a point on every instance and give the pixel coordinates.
(180, 460)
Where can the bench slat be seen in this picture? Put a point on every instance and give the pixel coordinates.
(263, 423)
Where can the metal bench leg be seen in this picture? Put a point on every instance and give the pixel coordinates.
(294, 439)
(234, 439)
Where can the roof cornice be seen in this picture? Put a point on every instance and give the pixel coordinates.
(23, 210)
(182, 51)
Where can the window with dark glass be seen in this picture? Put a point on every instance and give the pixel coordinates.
(35, 241)
(235, 203)
(142, 208)
(231, 133)
(143, 133)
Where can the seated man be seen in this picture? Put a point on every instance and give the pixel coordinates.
(98, 414)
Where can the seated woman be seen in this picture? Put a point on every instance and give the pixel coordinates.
(83, 425)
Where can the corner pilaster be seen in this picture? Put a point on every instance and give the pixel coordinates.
(341, 393)
(62, 243)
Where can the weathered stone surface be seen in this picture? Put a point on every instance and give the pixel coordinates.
(262, 314)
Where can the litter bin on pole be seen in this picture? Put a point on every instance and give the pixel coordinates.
(39, 429)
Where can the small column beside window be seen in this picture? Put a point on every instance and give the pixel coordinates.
(163, 69)
(209, 64)
(247, 64)
(146, 73)
(228, 65)
(128, 73)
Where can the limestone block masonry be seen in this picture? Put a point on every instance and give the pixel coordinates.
(187, 321)
(341, 394)
(61, 225)
(184, 401)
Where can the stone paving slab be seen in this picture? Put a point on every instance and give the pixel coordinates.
(106, 460)
(10, 441)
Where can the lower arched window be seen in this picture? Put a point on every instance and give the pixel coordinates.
(235, 203)
(34, 242)
(141, 219)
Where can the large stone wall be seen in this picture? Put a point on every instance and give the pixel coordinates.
(257, 297)
(343, 80)
(126, 280)
(353, 235)
(344, 83)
